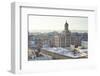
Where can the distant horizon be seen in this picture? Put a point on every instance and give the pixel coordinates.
(46, 31)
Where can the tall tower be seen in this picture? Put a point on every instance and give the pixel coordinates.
(67, 35)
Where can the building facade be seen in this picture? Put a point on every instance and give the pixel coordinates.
(63, 39)
(67, 35)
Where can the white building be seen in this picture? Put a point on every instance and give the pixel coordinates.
(84, 44)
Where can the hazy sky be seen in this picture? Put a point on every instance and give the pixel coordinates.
(51, 23)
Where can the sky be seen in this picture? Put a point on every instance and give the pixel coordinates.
(52, 23)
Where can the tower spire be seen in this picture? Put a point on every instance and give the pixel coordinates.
(66, 26)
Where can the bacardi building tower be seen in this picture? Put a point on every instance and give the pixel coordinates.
(67, 36)
(63, 39)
